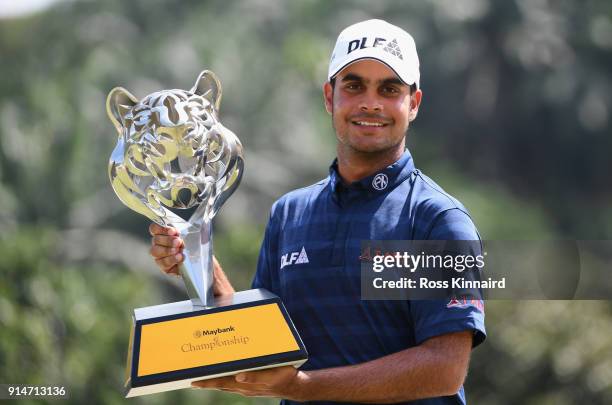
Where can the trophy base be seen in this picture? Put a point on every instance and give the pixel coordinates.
(174, 344)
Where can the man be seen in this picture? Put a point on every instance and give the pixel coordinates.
(360, 351)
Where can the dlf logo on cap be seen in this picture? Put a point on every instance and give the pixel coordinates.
(392, 47)
(381, 41)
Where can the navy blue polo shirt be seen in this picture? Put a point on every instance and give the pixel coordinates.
(310, 259)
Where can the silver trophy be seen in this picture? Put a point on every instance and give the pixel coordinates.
(173, 152)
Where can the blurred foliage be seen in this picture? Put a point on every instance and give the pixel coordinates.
(514, 122)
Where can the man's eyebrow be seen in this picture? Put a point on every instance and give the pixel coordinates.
(352, 77)
(392, 80)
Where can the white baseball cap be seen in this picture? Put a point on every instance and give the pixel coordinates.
(381, 41)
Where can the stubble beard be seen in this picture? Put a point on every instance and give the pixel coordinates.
(346, 149)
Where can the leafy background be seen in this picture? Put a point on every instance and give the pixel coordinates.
(514, 122)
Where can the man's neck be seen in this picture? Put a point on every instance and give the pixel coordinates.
(354, 166)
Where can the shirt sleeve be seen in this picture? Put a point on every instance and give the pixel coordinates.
(437, 317)
(266, 275)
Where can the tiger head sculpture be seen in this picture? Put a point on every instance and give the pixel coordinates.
(172, 151)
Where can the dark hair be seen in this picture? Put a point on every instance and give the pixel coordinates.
(413, 86)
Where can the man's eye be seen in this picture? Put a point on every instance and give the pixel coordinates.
(389, 90)
(353, 86)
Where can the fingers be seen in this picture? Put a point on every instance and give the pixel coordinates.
(169, 264)
(172, 271)
(156, 229)
(217, 383)
(271, 376)
(229, 384)
(158, 250)
(168, 254)
(166, 248)
(167, 241)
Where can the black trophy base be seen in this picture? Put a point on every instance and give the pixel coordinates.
(174, 344)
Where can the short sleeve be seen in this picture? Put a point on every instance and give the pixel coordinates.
(437, 317)
(453, 224)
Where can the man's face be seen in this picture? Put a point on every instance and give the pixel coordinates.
(370, 106)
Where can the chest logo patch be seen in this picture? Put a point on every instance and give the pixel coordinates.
(380, 181)
(294, 258)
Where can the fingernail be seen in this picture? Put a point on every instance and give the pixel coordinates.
(240, 377)
(179, 257)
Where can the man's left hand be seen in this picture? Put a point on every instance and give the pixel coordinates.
(280, 382)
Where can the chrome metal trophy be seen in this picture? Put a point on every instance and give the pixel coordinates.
(173, 153)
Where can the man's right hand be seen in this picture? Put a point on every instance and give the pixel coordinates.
(167, 248)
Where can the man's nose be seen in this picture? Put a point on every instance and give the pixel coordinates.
(370, 102)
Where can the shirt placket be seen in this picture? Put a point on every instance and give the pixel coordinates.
(347, 200)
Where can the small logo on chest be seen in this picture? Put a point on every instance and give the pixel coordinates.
(380, 181)
(294, 258)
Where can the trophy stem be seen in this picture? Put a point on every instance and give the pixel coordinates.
(197, 267)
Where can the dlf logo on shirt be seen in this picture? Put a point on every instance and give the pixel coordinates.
(294, 258)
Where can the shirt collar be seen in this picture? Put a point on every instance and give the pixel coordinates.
(380, 182)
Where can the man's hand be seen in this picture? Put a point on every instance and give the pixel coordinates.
(167, 250)
(435, 368)
(280, 382)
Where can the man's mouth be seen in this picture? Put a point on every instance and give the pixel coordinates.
(369, 123)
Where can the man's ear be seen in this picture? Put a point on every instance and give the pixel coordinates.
(328, 96)
(415, 102)
(118, 103)
(209, 87)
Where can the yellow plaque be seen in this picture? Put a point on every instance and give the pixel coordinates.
(174, 344)
(214, 338)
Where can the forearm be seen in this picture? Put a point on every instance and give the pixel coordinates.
(221, 284)
(430, 370)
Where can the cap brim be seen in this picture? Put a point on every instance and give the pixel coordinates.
(371, 53)
(371, 58)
